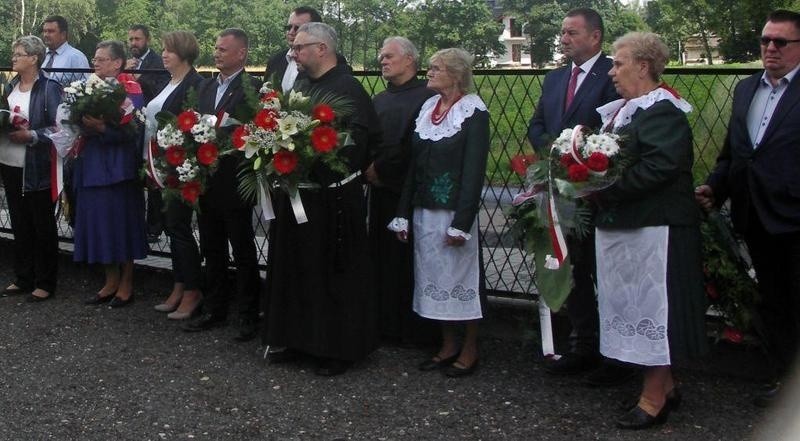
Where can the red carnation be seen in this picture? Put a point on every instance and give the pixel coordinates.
(269, 96)
(284, 162)
(237, 137)
(578, 173)
(324, 139)
(324, 113)
(597, 162)
(186, 120)
(520, 163)
(175, 155)
(711, 291)
(154, 150)
(266, 119)
(733, 335)
(207, 153)
(172, 181)
(191, 191)
(567, 160)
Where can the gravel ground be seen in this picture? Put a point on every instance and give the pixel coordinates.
(71, 372)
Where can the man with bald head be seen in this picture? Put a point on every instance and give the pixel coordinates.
(318, 300)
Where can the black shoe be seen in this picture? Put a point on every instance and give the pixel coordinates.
(117, 302)
(437, 363)
(248, 329)
(571, 364)
(455, 371)
(768, 396)
(330, 367)
(673, 400)
(204, 323)
(611, 373)
(637, 418)
(97, 299)
(282, 355)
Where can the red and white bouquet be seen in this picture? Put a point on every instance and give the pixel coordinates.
(584, 161)
(552, 206)
(184, 155)
(285, 138)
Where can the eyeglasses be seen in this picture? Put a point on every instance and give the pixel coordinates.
(291, 27)
(100, 60)
(779, 42)
(20, 55)
(298, 47)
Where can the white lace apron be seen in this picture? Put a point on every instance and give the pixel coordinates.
(445, 277)
(632, 294)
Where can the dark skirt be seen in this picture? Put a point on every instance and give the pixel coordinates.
(685, 294)
(109, 223)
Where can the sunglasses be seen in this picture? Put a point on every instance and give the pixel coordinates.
(779, 42)
(290, 27)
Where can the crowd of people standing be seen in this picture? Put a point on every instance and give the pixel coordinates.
(391, 247)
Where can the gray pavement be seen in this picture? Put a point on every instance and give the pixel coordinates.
(71, 372)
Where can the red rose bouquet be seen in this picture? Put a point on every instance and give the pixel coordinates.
(552, 207)
(285, 137)
(184, 155)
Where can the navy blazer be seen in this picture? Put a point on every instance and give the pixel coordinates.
(551, 118)
(152, 83)
(767, 178)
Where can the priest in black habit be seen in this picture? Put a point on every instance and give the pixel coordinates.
(318, 300)
(397, 108)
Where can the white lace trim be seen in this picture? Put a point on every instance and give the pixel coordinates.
(461, 110)
(628, 108)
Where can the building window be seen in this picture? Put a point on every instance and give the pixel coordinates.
(514, 28)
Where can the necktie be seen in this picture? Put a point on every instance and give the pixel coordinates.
(573, 83)
(50, 60)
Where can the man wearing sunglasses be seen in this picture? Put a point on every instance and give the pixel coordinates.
(758, 170)
(282, 68)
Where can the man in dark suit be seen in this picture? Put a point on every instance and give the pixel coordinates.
(758, 170)
(224, 217)
(570, 96)
(282, 67)
(142, 57)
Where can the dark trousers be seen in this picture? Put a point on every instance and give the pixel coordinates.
(183, 246)
(35, 234)
(218, 226)
(776, 259)
(582, 302)
(155, 213)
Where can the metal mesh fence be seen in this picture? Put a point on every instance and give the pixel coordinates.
(511, 97)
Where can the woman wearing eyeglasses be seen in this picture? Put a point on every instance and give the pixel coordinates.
(25, 169)
(109, 220)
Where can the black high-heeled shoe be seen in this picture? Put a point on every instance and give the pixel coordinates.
(437, 363)
(117, 302)
(97, 299)
(673, 399)
(638, 419)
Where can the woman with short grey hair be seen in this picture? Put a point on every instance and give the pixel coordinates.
(25, 168)
(438, 209)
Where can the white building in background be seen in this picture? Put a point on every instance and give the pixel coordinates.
(515, 42)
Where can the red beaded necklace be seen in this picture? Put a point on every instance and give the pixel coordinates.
(437, 116)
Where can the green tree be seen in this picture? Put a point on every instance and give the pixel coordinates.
(438, 24)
